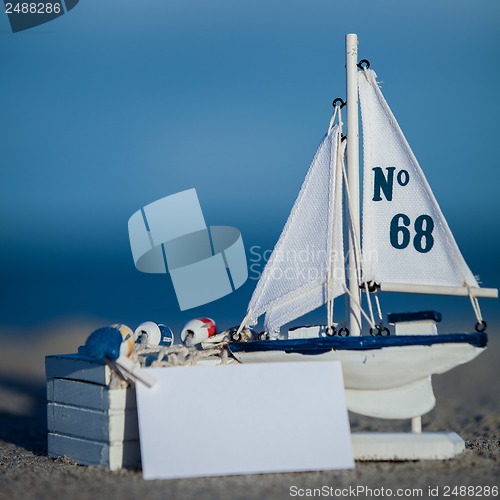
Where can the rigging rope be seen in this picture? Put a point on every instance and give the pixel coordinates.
(481, 324)
(379, 309)
(330, 301)
(243, 323)
(332, 120)
(357, 253)
(372, 325)
(368, 299)
(357, 248)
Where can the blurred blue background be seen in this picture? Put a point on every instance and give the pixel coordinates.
(118, 103)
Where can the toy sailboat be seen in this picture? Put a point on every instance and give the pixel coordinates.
(405, 246)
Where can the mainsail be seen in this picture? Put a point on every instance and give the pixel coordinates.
(406, 239)
(306, 268)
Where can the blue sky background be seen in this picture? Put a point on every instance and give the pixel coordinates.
(119, 103)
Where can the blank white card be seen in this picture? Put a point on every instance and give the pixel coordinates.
(244, 419)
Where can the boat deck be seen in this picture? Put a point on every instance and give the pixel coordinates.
(320, 345)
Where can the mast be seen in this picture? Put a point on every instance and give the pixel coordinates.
(353, 178)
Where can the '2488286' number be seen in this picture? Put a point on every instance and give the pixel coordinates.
(32, 8)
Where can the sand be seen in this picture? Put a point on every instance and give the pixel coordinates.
(468, 402)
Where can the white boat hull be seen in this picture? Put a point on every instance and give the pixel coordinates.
(375, 369)
(391, 382)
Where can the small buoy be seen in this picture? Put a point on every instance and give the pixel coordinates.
(153, 334)
(104, 343)
(197, 330)
(128, 339)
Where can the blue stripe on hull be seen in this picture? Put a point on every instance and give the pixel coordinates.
(320, 345)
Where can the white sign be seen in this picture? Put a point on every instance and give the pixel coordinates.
(244, 419)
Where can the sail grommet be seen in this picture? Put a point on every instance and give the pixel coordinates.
(338, 102)
(343, 332)
(481, 326)
(377, 331)
(384, 331)
(331, 332)
(363, 64)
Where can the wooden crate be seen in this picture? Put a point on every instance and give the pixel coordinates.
(91, 414)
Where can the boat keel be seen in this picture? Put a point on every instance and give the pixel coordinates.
(407, 401)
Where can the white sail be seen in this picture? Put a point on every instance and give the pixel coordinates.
(406, 238)
(306, 267)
